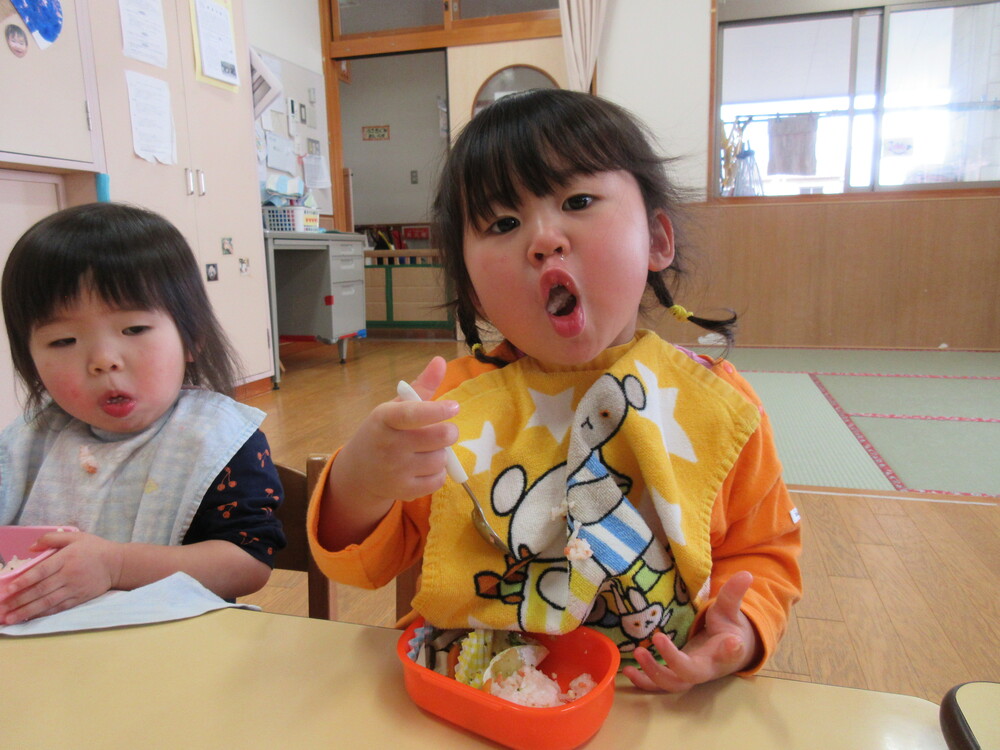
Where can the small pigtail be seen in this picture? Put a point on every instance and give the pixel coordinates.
(470, 328)
(725, 327)
(680, 313)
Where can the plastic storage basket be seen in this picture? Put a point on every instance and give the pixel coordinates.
(291, 219)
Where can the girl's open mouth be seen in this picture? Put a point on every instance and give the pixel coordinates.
(561, 301)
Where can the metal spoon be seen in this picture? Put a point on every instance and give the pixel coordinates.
(456, 472)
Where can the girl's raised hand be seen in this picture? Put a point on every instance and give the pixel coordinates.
(84, 567)
(726, 644)
(398, 453)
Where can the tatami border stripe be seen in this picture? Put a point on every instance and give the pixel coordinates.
(953, 492)
(902, 498)
(894, 480)
(985, 420)
(875, 375)
(917, 349)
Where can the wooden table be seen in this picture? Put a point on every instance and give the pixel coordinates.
(237, 678)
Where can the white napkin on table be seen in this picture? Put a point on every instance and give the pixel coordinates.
(173, 598)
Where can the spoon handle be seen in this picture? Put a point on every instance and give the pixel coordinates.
(454, 467)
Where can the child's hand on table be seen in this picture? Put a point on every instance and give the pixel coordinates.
(726, 644)
(84, 567)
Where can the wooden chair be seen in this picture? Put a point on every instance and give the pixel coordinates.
(298, 487)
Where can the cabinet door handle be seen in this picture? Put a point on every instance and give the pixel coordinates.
(189, 179)
(201, 182)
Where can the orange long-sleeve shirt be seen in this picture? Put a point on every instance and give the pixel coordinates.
(754, 526)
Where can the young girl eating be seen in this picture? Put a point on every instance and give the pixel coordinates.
(635, 483)
(128, 434)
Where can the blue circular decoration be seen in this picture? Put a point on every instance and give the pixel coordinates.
(42, 17)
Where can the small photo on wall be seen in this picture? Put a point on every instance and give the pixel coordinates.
(212, 271)
(244, 265)
(227, 245)
(17, 40)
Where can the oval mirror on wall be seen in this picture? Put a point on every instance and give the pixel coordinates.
(510, 80)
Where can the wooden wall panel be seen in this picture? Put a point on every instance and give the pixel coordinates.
(917, 272)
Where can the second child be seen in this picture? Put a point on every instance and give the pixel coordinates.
(129, 434)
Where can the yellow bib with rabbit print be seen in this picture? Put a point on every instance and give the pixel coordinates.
(601, 479)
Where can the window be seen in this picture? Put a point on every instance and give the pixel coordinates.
(378, 16)
(484, 8)
(895, 97)
(367, 16)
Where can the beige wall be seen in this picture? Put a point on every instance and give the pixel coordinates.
(887, 272)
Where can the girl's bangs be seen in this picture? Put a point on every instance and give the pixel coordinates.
(538, 151)
(120, 280)
(127, 285)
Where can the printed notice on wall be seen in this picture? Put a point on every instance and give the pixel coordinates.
(152, 121)
(280, 153)
(216, 42)
(144, 35)
(316, 170)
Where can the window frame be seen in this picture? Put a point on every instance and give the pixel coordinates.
(886, 10)
(453, 31)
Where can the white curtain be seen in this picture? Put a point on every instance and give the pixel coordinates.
(582, 22)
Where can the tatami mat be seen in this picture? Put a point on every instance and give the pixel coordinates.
(939, 456)
(925, 421)
(926, 397)
(816, 447)
(861, 361)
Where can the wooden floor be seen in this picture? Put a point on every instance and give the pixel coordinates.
(902, 592)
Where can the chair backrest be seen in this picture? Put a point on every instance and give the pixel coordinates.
(292, 514)
(298, 486)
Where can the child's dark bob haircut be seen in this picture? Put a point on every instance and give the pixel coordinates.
(132, 259)
(537, 141)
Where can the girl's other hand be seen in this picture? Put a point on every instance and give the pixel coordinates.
(398, 453)
(84, 567)
(726, 644)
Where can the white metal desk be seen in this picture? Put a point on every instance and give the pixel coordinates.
(316, 284)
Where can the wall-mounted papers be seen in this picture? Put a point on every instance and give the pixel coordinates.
(144, 35)
(216, 43)
(152, 119)
(280, 153)
(317, 171)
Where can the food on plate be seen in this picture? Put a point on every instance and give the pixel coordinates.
(503, 663)
(532, 687)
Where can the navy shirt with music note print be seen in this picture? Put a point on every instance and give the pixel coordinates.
(239, 505)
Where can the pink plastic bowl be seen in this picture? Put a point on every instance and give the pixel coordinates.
(15, 541)
(521, 727)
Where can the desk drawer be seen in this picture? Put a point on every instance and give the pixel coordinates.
(346, 268)
(347, 305)
(347, 248)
